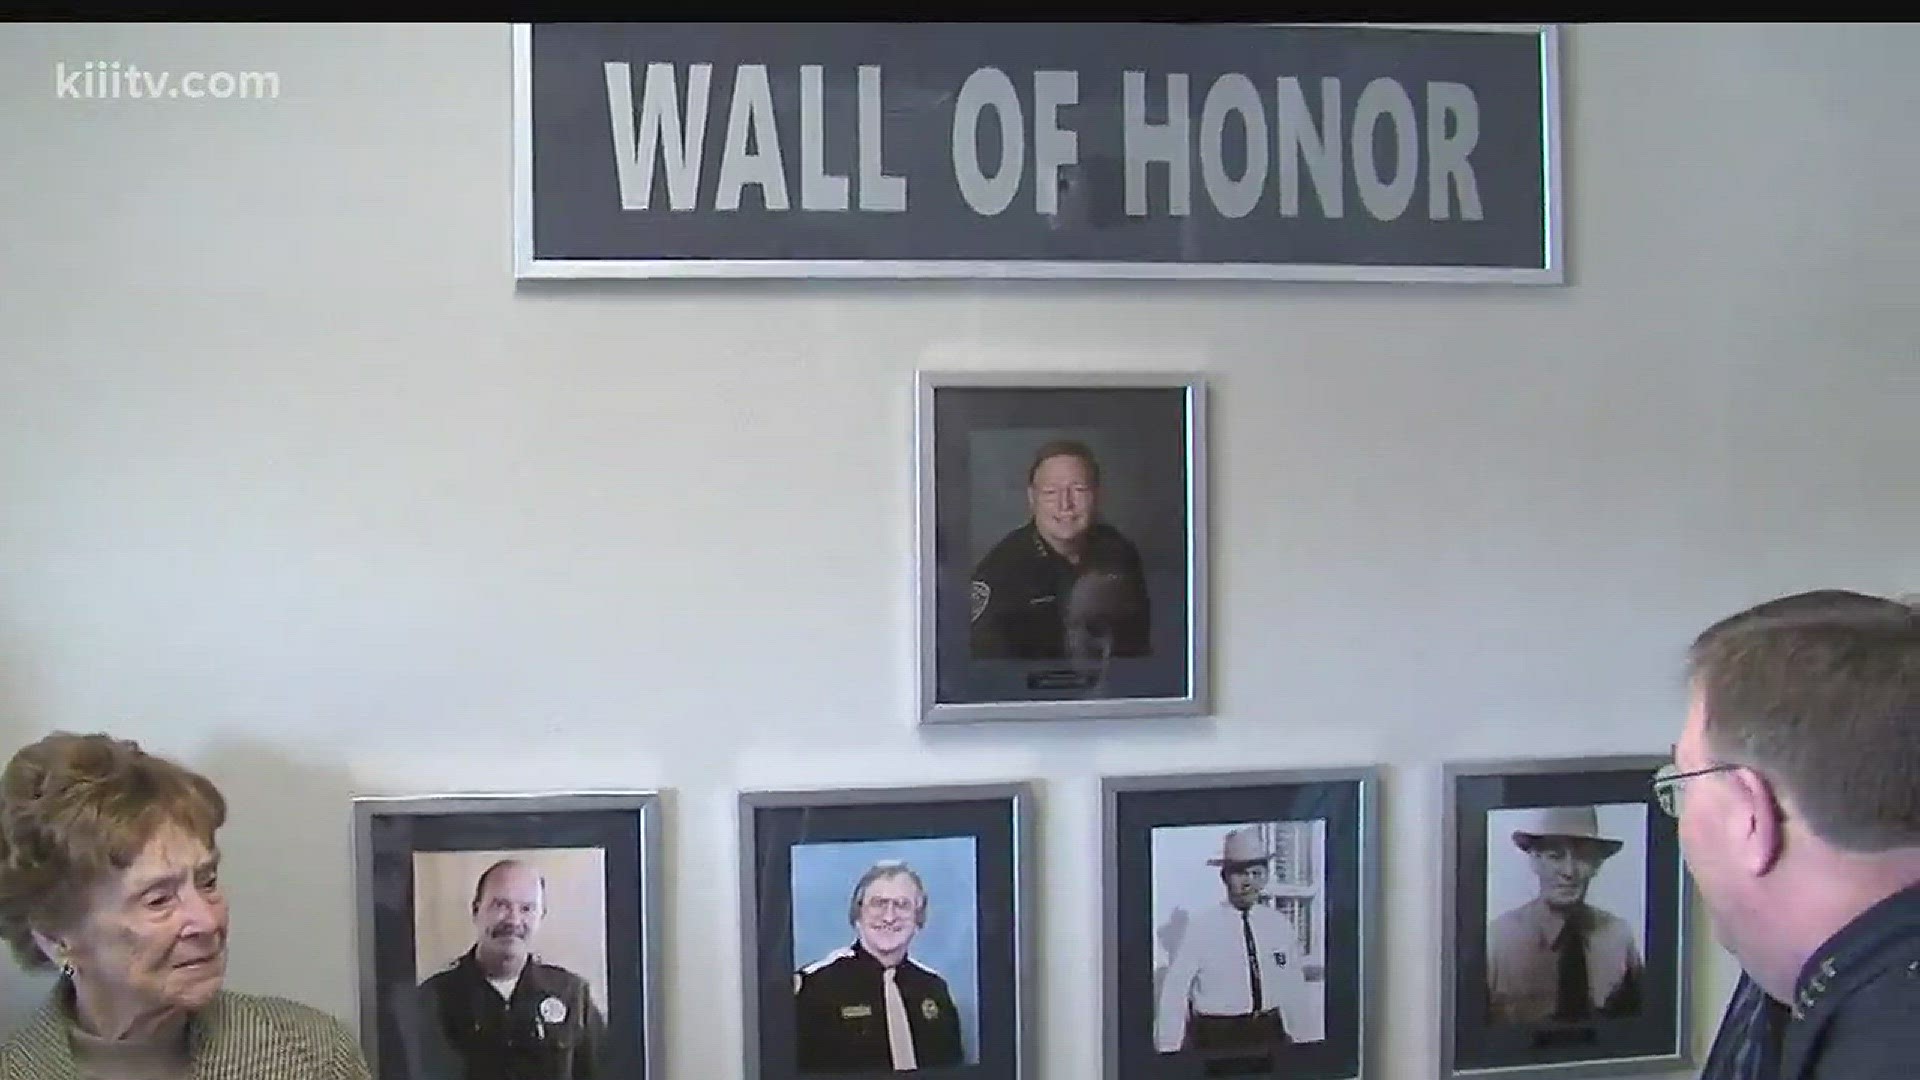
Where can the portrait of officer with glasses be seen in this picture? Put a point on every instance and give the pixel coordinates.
(870, 1006)
(1066, 584)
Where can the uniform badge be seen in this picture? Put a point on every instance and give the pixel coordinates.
(978, 593)
(553, 1010)
(928, 1009)
(1280, 957)
(855, 1012)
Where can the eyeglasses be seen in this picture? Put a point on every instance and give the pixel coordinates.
(1666, 783)
(880, 905)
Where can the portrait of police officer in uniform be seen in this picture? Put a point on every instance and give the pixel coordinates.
(497, 1011)
(1235, 978)
(1065, 585)
(1559, 957)
(870, 1006)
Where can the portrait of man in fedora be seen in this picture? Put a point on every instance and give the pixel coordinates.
(1558, 958)
(1235, 971)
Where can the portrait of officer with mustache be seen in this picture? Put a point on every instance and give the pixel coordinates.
(498, 1011)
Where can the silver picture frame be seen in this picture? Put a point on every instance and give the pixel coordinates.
(1149, 433)
(999, 817)
(1347, 889)
(1658, 1035)
(626, 825)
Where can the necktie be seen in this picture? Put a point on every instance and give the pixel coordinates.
(1575, 998)
(1747, 1045)
(1253, 958)
(899, 1035)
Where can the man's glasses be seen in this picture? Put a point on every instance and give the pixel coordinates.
(881, 905)
(1667, 782)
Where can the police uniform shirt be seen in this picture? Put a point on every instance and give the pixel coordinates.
(840, 1014)
(1019, 592)
(1856, 1008)
(548, 1029)
(1210, 973)
(1523, 964)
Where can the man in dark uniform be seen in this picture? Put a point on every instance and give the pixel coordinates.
(1065, 585)
(499, 1013)
(870, 1007)
(1796, 782)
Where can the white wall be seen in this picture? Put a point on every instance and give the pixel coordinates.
(295, 485)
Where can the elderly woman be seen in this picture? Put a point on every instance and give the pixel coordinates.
(108, 870)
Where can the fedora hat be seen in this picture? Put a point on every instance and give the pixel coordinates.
(1571, 822)
(1240, 847)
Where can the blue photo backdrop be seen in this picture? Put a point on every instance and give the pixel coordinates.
(823, 878)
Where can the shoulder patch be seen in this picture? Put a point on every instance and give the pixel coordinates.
(837, 954)
(922, 965)
(978, 593)
(560, 975)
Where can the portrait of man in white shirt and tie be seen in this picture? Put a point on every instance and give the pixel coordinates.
(1235, 977)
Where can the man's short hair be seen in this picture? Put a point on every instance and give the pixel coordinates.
(1065, 448)
(887, 868)
(480, 883)
(1820, 692)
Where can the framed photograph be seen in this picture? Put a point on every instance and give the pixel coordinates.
(885, 930)
(1061, 523)
(1565, 921)
(1240, 917)
(518, 931)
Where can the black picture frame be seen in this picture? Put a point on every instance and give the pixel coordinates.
(616, 835)
(1642, 1024)
(1141, 647)
(980, 834)
(1331, 815)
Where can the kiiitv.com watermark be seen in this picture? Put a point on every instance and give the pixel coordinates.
(112, 80)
